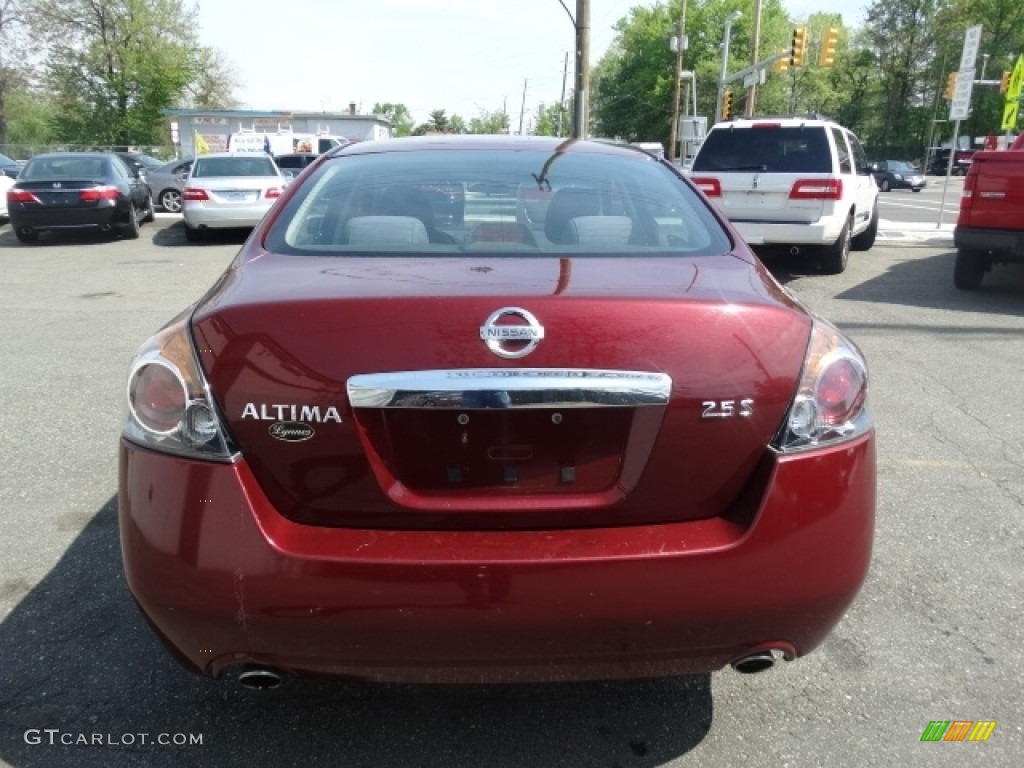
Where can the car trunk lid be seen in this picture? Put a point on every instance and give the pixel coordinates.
(365, 391)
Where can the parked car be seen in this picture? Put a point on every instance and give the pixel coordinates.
(938, 161)
(898, 174)
(293, 164)
(78, 191)
(5, 184)
(602, 444)
(8, 167)
(167, 182)
(800, 183)
(990, 226)
(226, 190)
(140, 160)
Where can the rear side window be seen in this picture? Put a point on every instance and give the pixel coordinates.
(842, 151)
(774, 149)
(528, 202)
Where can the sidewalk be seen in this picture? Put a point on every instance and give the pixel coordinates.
(918, 231)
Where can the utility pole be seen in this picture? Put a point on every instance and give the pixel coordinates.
(581, 95)
(680, 47)
(756, 44)
(561, 104)
(581, 106)
(522, 108)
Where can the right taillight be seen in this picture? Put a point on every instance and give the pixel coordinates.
(830, 402)
(816, 189)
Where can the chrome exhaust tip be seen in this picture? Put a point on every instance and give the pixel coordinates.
(754, 663)
(259, 678)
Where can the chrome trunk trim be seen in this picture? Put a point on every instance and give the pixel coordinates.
(486, 388)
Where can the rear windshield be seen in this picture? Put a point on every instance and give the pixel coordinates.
(531, 202)
(254, 165)
(65, 167)
(775, 149)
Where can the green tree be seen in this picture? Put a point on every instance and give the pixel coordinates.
(13, 74)
(113, 65)
(399, 115)
(552, 120)
(213, 85)
(489, 123)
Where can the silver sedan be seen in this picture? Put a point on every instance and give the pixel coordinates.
(166, 183)
(227, 190)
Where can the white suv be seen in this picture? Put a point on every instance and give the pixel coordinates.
(791, 181)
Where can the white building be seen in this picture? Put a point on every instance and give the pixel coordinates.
(216, 125)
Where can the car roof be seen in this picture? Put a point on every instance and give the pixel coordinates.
(486, 142)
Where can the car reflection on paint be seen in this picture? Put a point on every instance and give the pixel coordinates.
(576, 432)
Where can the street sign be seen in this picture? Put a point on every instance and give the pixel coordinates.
(1016, 83)
(1011, 109)
(960, 106)
(972, 41)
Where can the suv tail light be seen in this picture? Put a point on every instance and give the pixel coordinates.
(829, 406)
(816, 189)
(99, 193)
(169, 402)
(194, 193)
(709, 185)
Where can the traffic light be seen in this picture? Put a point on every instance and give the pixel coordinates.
(829, 44)
(798, 50)
(727, 105)
(1004, 82)
(782, 63)
(950, 87)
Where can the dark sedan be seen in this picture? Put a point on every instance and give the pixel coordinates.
(78, 191)
(898, 174)
(389, 445)
(8, 167)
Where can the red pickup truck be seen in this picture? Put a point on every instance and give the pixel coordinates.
(990, 228)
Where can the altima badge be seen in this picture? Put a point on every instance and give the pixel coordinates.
(511, 340)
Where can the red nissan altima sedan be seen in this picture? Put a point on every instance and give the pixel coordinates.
(572, 430)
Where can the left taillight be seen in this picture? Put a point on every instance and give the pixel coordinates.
(21, 196)
(709, 185)
(170, 408)
(830, 405)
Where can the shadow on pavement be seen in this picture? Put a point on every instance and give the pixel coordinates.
(172, 235)
(79, 658)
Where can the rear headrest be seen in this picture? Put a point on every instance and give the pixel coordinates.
(567, 204)
(602, 230)
(386, 230)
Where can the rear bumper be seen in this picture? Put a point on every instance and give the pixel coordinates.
(41, 219)
(822, 232)
(200, 215)
(224, 579)
(1003, 244)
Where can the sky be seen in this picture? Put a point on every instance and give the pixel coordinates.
(464, 56)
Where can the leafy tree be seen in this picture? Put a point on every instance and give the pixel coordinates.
(489, 123)
(552, 120)
(457, 125)
(214, 83)
(13, 75)
(113, 65)
(399, 116)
